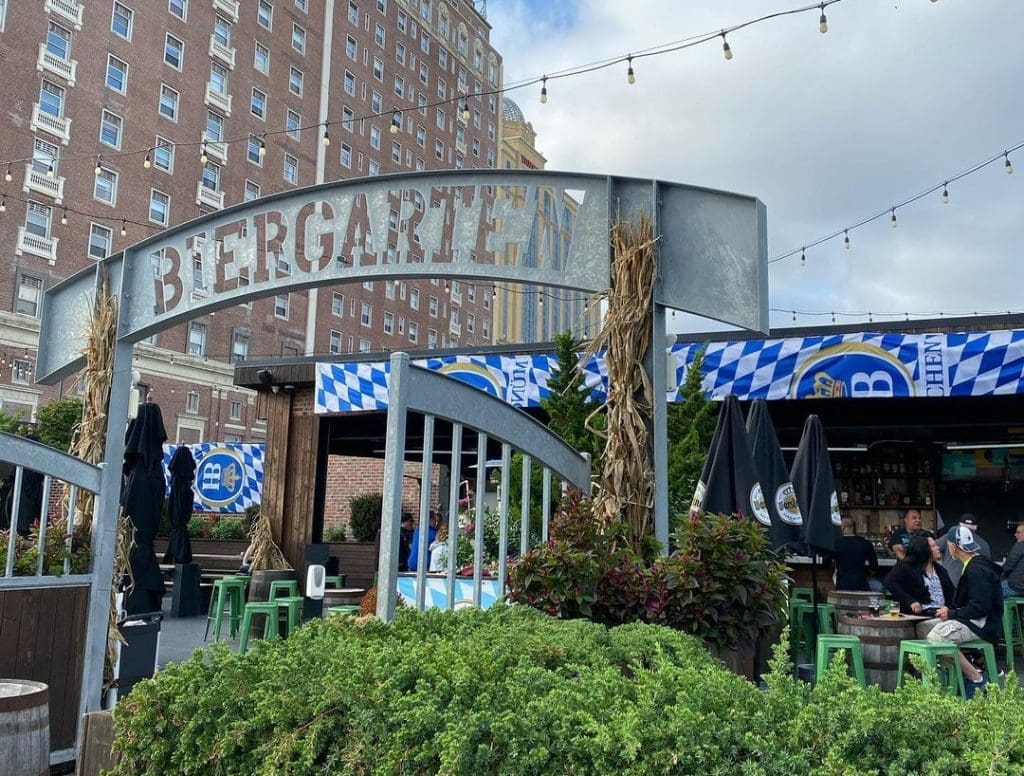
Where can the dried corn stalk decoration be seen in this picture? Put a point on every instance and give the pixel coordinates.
(266, 555)
(627, 481)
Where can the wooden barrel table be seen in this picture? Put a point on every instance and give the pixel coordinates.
(880, 639)
(853, 601)
(24, 728)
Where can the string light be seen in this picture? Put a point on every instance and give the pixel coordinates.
(892, 221)
(630, 75)
(3, 204)
(148, 161)
(945, 193)
(833, 317)
(544, 90)
(50, 170)
(465, 111)
(64, 217)
(99, 166)
(327, 137)
(726, 48)
(846, 239)
(823, 22)
(396, 122)
(834, 314)
(794, 316)
(803, 257)
(1007, 166)
(7, 176)
(263, 147)
(124, 228)
(203, 156)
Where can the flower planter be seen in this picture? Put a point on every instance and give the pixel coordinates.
(739, 659)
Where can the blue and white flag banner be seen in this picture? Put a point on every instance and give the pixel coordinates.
(860, 365)
(229, 475)
(437, 592)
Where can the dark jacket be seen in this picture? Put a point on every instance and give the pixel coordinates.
(979, 594)
(906, 584)
(1013, 567)
(852, 557)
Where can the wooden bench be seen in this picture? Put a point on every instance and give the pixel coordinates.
(214, 567)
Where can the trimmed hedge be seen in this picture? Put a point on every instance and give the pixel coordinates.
(512, 691)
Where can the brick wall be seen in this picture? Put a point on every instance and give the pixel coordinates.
(350, 477)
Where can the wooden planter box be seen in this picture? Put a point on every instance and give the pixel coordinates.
(357, 561)
(205, 547)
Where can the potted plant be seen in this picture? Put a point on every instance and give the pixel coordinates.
(266, 561)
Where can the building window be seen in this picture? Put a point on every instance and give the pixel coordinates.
(235, 413)
(261, 59)
(192, 403)
(335, 342)
(298, 39)
(432, 306)
(121, 21)
(364, 345)
(214, 127)
(196, 339)
(414, 298)
(389, 323)
(211, 176)
(252, 151)
(421, 137)
(378, 35)
(471, 323)
(346, 155)
(366, 316)
(338, 304)
(403, 21)
(265, 14)
(282, 306)
(439, 149)
(414, 332)
(258, 104)
(302, 5)
(252, 191)
(389, 290)
(178, 8)
(350, 83)
(100, 239)
(239, 346)
(218, 78)
(117, 74)
(30, 289)
(377, 102)
(291, 169)
(58, 41)
(168, 102)
(373, 167)
(174, 51)
(159, 207)
(348, 121)
(441, 119)
(485, 328)
(45, 158)
(431, 338)
(21, 371)
(399, 86)
(295, 81)
(353, 12)
(110, 129)
(222, 31)
(163, 154)
(400, 54)
(375, 138)
(378, 68)
(351, 48)
(293, 124)
(105, 186)
(51, 99)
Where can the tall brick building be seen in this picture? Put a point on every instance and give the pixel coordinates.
(122, 117)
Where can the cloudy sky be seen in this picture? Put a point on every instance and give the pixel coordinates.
(825, 129)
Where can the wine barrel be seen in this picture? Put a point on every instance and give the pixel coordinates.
(880, 639)
(853, 601)
(259, 584)
(24, 727)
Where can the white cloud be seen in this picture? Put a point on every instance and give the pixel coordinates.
(825, 129)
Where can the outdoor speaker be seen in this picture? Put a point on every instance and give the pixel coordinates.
(316, 581)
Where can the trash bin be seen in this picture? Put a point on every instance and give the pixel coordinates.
(139, 655)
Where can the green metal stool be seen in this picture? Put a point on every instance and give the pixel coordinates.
(270, 631)
(1012, 627)
(289, 586)
(228, 592)
(343, 611)
(801, 594)
(294, 605)
(802, 614)
(989, 651)
(337, 581)
(829, 643)
(931, 651)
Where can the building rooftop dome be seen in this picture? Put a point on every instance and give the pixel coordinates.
(512, 111)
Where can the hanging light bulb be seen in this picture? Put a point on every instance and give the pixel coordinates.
(540, 298)
(945, 193)
(465, 111)
(494, 293)
(326, 140)
(544, 90)
(7, 175)
(124, 228)
(794, 316)
(396, 122)
(1007, 166)
(803, 257)
(823, 22)
(3, 204)
(263, 148)
(846, 239)
(148, 161)
(99, 165)
(833, 317)
(50, 170)
(892, 221)
(726, 50)
(203, 157)
(64, 217)
(630, 75)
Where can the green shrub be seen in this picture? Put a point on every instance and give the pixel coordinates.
(365, 519)
(334, 533)
(511, 691)
(225, 528)
(26, 549)
(198, 527)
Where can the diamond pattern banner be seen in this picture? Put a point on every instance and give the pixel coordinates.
(229, 476)
(859, 365)
(437, 591)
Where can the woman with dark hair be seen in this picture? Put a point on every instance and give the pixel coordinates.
(919, 583)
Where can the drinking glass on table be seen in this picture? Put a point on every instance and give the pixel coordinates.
(894, 608)
(874, 605)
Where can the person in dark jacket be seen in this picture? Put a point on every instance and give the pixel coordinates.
(918, 582)
(854, 556)
(1013, 567)
(976, 609)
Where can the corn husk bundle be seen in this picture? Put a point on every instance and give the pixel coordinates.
(266, 555)
(626, 493)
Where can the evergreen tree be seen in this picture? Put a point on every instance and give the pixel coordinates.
(56, 421)
(691, 424)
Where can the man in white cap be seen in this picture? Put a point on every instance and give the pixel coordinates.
(952, 566)
(976, 609)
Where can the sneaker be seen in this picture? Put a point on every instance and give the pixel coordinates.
(971, 686)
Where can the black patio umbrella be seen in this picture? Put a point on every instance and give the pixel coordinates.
(729, 483)
(783, 508)
(816, 494)
(179, 505)
(142, 497)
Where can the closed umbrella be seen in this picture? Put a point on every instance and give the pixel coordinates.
(142, 498)
(729, 483)
(783, 508)
(816, 494)
(179, 507)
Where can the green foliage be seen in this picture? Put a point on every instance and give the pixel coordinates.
(11, 423)
(510, 691)
(334, 533)
(691, 425)
(56, 422)
(366, 514)
(223, 528)
(199, 527)
(26, 550)
(569, 402)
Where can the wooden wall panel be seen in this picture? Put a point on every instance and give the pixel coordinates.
(275, 462)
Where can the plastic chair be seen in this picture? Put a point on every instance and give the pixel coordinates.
(829, 643)
(931, 651)
(989, 651)
(270, 631)
(1012, 628)
(294, 606)
(229, 594)
(289, 586)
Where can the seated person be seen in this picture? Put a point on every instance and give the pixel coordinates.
(918, 582)
(1013, 567)
(439, 550)
(414, 545)
(900, 539)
